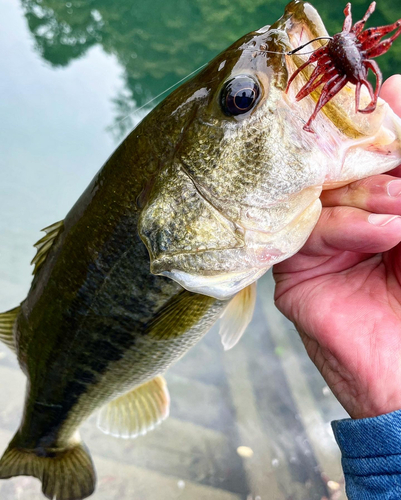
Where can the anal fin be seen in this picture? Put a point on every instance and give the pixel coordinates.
(7, 320)
(136, 412)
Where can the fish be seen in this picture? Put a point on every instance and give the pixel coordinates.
(218, 183)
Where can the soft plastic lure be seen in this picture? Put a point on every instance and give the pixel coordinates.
(347, 57)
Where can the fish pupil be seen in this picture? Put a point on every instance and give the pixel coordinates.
(244, 99)
(239, 95)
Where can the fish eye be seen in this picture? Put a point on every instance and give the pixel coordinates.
(239, 95)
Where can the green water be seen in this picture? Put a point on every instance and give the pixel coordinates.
(70, 72)
(159, 42)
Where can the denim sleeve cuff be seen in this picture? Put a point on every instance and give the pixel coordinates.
(371, 456)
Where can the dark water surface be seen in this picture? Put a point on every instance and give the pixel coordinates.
(70, 71)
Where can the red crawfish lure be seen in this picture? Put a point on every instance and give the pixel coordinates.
(347, 57)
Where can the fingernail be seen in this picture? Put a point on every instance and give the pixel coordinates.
(381, 219)
(394, 188)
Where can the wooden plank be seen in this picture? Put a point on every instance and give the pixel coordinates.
(12, 390)
(317, 429)
(259, 467)
(129, 481)
(291, 458)
(176, 448)
(197, 402)
(119, 481)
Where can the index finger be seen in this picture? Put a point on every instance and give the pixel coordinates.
(390, 92)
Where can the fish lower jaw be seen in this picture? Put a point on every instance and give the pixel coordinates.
(221, 286)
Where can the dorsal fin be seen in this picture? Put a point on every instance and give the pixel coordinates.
(237, 316)
(44, 244)
(7, 320)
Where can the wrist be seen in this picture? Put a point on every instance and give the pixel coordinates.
(362, 407)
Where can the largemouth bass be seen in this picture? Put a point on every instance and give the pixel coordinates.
(213, 187)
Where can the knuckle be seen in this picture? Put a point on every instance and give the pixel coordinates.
(329, 215)
(358, 187)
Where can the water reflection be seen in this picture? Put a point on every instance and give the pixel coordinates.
(159, 42)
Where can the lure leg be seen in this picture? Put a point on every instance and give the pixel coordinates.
(329, 90)
(375, 68)
(371, 107)
(357, 95)
(348, 18)
(371, 37)
(313, 58)
(383, 47)
(358, 27)
(315, 82)
(319, 68)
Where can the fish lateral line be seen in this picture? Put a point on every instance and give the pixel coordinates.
(48, 405)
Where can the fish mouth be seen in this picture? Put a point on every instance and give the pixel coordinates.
(303, 25)
(355, 144)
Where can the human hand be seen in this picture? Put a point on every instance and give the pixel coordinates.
(342, 290)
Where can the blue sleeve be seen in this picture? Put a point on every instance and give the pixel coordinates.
(371, 456)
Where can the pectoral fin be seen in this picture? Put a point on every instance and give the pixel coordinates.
(181, 313)
(136, 412)
(237, 316)
(7, 320)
